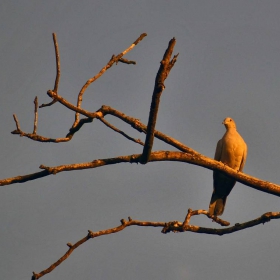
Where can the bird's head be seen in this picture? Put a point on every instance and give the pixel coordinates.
(229, 123)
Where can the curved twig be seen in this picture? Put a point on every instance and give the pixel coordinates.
(57, 60)
(121, 132)
(113, 60)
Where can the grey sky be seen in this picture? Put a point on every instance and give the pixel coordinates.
(229, 65)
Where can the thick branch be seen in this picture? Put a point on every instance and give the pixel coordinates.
(162, 74)
(190, 155)
(203, 161)
(173, 226)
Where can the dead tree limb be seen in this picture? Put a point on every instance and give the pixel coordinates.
(202, 161)
(121, 132)
(173, 226)
(57, 60)
(165, 66)
(185, 155)
(114, 59)
(35, 115)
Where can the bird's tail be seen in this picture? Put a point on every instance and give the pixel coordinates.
(217, 205)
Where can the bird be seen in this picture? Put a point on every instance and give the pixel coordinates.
(232, 151)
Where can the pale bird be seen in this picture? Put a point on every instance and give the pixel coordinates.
(232, 151)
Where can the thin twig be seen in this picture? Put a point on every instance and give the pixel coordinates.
(101, 72)
(164, 69)
(174, 226)
(35, 115)
(121, 132)
(17, 123)
(48, 104)
(135, 123)
(206, 213)
(57, 60)
(126, 61)
(40, 138)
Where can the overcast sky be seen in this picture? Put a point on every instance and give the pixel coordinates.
(229, 65)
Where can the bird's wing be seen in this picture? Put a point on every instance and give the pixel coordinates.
(244, 157)
(219, 148)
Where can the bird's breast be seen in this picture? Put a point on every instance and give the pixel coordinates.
(232, 151)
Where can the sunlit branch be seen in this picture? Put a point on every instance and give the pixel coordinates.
(204, 212)
(35, 115)
(57, 60)
(173, 226)
(40, 138)
(17, 124)
(111, 62)
(203, 161)
(165, 66)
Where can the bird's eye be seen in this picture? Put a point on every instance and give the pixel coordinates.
(230, 120)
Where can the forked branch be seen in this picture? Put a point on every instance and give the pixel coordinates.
(114, 59)
(201, 160)
(173, 226)
(77, 109)
(185, 153)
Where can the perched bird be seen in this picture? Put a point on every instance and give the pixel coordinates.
(232, 151)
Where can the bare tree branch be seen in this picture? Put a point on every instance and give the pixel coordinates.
(113, 60)
(173, 226)
(40, 138)
(186, 154)
(135, 123)
(121, 132)
(35, 115)
(56, 83)
(190, 155)
(103, 111)
(18, 130)
(57, 59)
(198, 212)
(165, 67)
(203, 161)
(176, 226)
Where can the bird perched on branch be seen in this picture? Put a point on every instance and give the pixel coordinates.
(232, 151)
